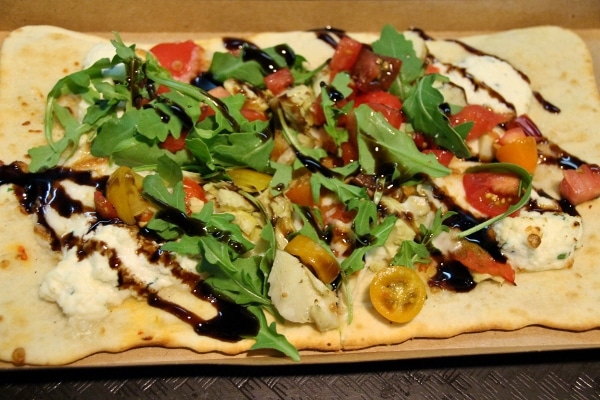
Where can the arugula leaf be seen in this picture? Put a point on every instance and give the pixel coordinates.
(124, 52)
(379, 234)
(44, 156)
(394, 44)
(418, 251)
(366, 214)
(396, 147)
(423, 108)
(281, 178)
(341, 83)
(154, 187)
(77, 83)
(344, 191)
(169, 170)
(227, 65)
(308, 229)
(236, 279)
(411, 252)
(233, 150)
(291, 137)
(268, 338)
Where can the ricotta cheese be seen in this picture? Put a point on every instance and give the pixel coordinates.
(534, 241)
(83, 288)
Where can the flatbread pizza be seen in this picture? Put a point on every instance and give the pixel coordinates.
(289, 192)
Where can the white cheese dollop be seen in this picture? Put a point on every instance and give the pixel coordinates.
(88, 287)
(83, 288)
(534, 241)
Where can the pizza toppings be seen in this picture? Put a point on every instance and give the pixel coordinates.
(581, 184)
(270, 180)
(397, 293)
(534, 241)
(184, 60)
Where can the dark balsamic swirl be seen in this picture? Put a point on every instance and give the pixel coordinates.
(39, 190)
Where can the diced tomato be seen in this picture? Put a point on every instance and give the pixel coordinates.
(420, 141)
(475, 258)
(336, 212)
(345, 55)
(184, 60)
(374, 72)
(317, 112)
(443, 156)
(174, 145)
(104, 208)
(219, 92)
(278, 81)
(192, 189)
(581, 184)
(379, 97)
(431, 69)
(205, 112)
(349, 152)
(392, 115)
(300, 192)
(484, 119)
(253, 115)
(491, 193)
(511, 135)
(385, 103)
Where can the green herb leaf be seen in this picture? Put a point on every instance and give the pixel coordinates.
(379, 234)
(394, 146)
(227, 65)
(394, 44)
(411, 252)
(154, 188)
(281, 178)
(269, 338)
(423, 108)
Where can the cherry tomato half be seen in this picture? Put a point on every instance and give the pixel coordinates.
(192, 189)
(398, 293)
(183, 59)
(315, 257)
(491, 193)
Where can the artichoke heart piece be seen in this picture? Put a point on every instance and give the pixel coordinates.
(299, 296)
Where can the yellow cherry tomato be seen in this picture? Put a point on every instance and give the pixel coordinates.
(250, 180)
(520, 151)
(315, 257)
(397, 293)
(124, 192)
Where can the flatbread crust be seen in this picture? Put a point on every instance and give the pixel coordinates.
(34, 331)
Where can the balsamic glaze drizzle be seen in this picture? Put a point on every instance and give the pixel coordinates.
(39, 190)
